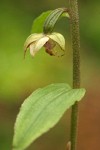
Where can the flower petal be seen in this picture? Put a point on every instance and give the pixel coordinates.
(58, 38)
(32, 49)
(36, 46)
(32, 38)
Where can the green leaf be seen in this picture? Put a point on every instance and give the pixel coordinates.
(41, 111)
(38, 23)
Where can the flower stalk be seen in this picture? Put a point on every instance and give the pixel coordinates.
(74, 19)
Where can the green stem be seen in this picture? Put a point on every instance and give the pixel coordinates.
(76, 67)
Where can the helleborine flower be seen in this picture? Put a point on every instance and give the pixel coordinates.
(51, 42)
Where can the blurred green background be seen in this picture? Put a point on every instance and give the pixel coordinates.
(19, 77)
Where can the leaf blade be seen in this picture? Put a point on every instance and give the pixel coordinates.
(38, 23)
(37, 26)
(50, 103)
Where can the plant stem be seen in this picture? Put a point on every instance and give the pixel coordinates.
(76, 67)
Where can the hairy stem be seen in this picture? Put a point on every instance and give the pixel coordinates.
(74, 17)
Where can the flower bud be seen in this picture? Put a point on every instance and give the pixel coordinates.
(52, 19)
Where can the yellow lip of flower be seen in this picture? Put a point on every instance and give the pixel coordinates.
(36, 41)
